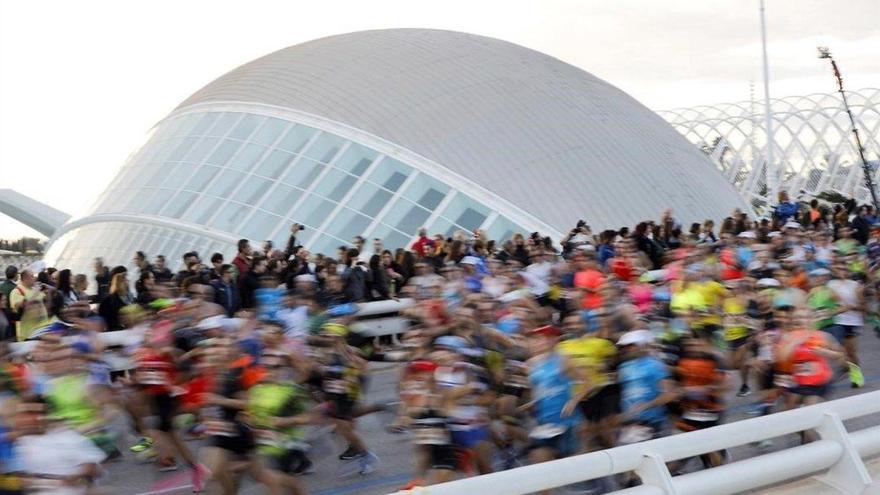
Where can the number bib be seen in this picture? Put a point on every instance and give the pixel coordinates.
(701, 416)
(268, 437)
(783, 381)
(431, 432)
(336, 386)
(152, 377)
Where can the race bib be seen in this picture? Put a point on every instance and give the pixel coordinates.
(783, 381)
(808, 368)
(268, 438)
(152, 377)
(701, 416)
(336, 386)
(546, 431)
(219, 428)
(431, 435)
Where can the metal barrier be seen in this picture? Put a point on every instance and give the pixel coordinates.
(838, 453)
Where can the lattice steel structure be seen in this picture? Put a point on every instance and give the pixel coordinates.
(812, 142)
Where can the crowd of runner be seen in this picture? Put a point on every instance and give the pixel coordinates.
(516, 352)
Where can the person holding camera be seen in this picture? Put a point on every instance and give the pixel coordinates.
(579, 236)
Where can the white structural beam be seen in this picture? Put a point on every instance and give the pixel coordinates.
(36, 215)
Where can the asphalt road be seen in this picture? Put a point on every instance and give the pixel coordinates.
(129, 476)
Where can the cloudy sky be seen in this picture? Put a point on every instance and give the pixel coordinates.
(82, 82)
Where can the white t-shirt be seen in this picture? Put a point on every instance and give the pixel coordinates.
(847, 293)
(58, 452)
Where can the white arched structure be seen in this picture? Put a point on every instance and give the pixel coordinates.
(812, 142)
(378, 133)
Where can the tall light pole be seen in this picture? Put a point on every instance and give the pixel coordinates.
(770, 172)
(824, 52)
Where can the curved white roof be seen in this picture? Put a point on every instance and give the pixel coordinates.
(547, 136)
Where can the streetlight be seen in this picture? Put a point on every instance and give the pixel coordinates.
(824, 52)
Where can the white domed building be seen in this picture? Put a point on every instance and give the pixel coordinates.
(378, 133)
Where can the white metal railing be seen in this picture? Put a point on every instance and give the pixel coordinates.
(838, 453)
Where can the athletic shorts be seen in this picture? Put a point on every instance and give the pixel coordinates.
(708, 331)
(810, 390)
(239, 445)
(442, 456)
(340, 407)
(733, 345)
(564, 445)
(602, 404)
(766, 379)
(691, 424)
(836, 331)
(164, 406)
(517, 392)
(470, 437)
(850, 331)
(285, 462)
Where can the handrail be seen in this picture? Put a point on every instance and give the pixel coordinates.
(838, 451)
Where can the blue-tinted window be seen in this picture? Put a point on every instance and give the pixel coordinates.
(229, 217)
(259, 226)
(201, 150)
(304, 173)
(246, 126)
(369, 199)
(356, 159)
(252, 190)
(159, 199)
(406, 217)
(426, 192)
(179, 204)
(325, 147)
(275, 164)
(281, 199)
(390, 175)
(335, 185)
(205, 123)
(296, 137)
(466, 212)
(202, 209)
(313, 211)
(182, 149)
(223, 153)
(225, 183)
(269, 131)
(247, 157)
(201, 178)
(223, 124)
(348, 224)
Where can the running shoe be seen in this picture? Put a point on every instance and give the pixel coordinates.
(305, 467)
(856, 378)
(198, 475)
(115, 455)
(142, 445)
(351, 453)
(167, 464)
(744, 391)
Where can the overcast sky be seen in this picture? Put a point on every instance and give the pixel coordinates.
(82, 82)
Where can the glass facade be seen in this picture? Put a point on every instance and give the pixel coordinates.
(245, 175)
